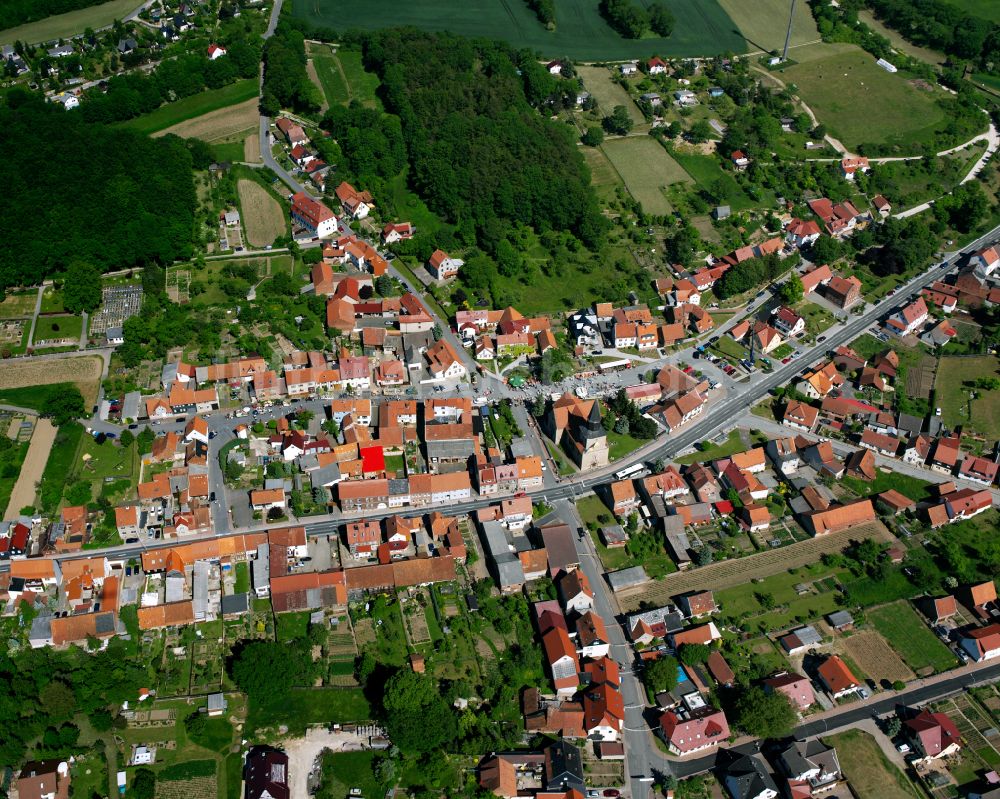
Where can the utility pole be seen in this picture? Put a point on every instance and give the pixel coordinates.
(788, 35)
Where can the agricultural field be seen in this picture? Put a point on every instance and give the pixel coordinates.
(763, 23)
(647, 169)
(263, 217)
(84, 371)
(842, 86)
(726, 574)
(31, 465)
(871, 775)
(703, 27)
(900, 625)
(607, 93)
(189, 108)
(69, 24)
(875, 658)
(603, 176)
(952, 394)
(218, 125)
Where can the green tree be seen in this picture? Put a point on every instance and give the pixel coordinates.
(593, 136)
(661, 20)
(145, 440)
(660, 674)
(764, 714)
(618, 122)
(693, 654)
(792, 290)
(64, 405)
(126, 438)
(143, 784)
(700, 131)
(81, 289)
(417, 717)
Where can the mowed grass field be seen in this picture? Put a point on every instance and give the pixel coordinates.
(845, 88)
(171, 114)
(952, 395)
(71, 23)
(603, 176)
(647, 169)
(763, 23)
(607, 93)
(263, 216)
(703, 27)
(906, 632)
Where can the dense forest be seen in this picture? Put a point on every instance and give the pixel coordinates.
(75, 191)
(137, 93)
(477, 150)
(286, 84)
(942, 26)
(371, 143)
(17, 12)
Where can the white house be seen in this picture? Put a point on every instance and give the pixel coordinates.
(985, 261)
(629, 69)
(215, 51)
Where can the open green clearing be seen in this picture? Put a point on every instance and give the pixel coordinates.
(953, 396)
(703, 27)
(194, 106)
(361, 85)
(900, 625)
(706, 172)
(788, 603)
(647, 170)
(48, 328)
(912, 487)
(71, 23)
(328, 71)
(843, 87)
(11, 459)
(734, 443)
(763, 23)
(345, 770)
(871, 775)
(603, 176)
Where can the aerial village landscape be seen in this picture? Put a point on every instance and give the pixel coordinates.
(552, 402)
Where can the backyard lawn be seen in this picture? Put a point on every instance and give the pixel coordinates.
(871, 775)
(713, 451)
(953, 394)
(912, 487)
(906, 632)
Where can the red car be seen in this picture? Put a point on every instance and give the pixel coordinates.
(688, 370)
(612, 792)
(786, 360)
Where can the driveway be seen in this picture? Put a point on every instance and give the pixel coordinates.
(303, 753)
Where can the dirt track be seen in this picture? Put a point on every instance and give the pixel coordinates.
(32, 468)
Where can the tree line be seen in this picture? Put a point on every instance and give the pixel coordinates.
(286, 83)
(477, 150)
(545, 10)
(107, 197)
(371, 145)
(941, 26)
(631, 20)
(128, 96)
